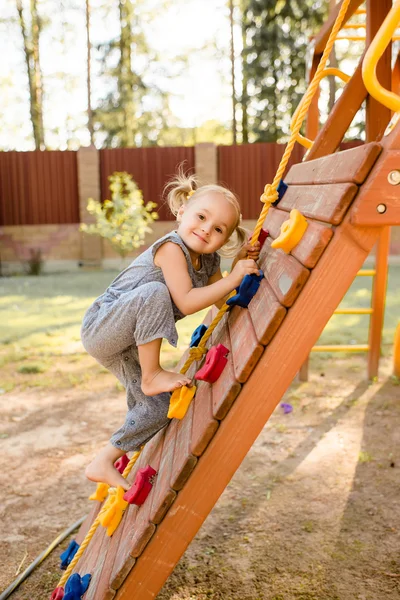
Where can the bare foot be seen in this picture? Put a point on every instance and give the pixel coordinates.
(163, 381)
(102, 471)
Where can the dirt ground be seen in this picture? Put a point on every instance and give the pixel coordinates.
(313, 512)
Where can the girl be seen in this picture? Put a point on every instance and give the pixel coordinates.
(177, 276)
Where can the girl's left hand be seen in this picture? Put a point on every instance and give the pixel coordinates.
(247, 250)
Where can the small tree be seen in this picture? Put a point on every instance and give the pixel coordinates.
(124, 220)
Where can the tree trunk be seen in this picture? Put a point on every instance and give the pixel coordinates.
(89, 47)
(233, 73)
(31, 49)
(245, 96)
(126, 92)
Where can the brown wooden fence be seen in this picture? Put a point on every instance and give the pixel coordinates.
(150, 167)
(38, 188)
(247, 168)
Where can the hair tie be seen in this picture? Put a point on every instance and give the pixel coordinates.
(189, 194)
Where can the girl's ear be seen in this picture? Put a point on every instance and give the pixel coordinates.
(180, 213)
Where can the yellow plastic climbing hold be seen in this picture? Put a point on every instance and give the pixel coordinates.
(292, 231)
(180, 401)
(113, 510)
(101, 492)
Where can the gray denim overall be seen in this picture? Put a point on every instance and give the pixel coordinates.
(136, 309)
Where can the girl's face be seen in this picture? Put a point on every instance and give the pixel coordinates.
(206, 223)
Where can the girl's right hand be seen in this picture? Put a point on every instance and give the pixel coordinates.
(242, 268)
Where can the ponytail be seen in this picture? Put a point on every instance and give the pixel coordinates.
(239, 237)
(182, 188)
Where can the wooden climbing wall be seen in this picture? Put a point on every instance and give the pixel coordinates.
(196, 457)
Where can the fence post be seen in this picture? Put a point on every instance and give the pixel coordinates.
(206, 163)
(89, 187)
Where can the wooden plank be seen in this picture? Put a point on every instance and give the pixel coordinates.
(266, 313)
(313, 242)
(204, 425)
(378, 302)
(93, 553)
(163, 494)
(378, 191)
(246, 350)
(144, 529)
(183, 461)
(115, 561)
(340, 117)
(101, 571)
(377, 115)
(123, 561)
(237, 432)
(87, 523)
(348, 166)
(226, 388)
(312, 117)
(283, 272)
(327, 203)
(377, 118)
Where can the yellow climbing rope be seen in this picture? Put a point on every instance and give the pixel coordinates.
(269, 196)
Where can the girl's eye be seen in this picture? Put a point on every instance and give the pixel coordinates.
(218, 229)
(201, 217)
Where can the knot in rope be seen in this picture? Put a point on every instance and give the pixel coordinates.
(197, 353)
(269, 195)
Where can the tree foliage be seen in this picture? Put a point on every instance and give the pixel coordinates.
(133, 111)
(275, 39)
(125, 219)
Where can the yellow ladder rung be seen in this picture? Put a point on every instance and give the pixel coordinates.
(357, 38)
(353, 311)
(360, 11)
(354, 26)
(344, 348)
(366, 273)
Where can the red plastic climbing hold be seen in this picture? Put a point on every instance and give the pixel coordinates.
(216, 360)
(58, 594)
(141, 487)
(121, 463)
(262, 237)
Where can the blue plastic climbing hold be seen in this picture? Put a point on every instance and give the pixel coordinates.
(281, 189)
(76, 586)
(68, 554)
(246, 291)
(197, 335)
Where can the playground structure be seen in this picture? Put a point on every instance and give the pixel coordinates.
(355, 94)
(349, 199)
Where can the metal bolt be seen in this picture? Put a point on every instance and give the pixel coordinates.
(394, 177)
(381, 208)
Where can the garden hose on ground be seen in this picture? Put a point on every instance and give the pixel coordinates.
(39, 559)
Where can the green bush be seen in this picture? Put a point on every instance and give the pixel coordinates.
(124, 220)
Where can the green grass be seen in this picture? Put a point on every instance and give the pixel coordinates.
(40, 320)
(353, 329)
(41, 316)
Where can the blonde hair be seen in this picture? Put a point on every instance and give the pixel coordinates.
(183, 188)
